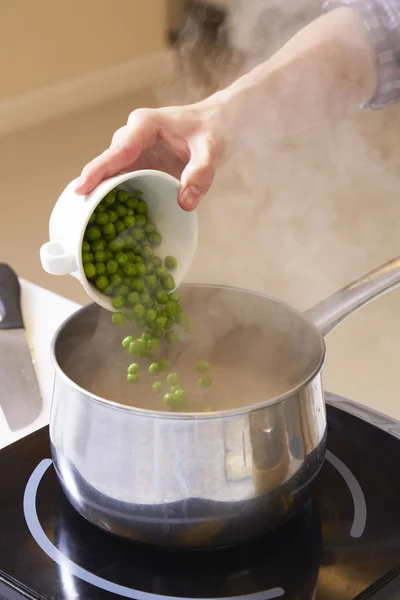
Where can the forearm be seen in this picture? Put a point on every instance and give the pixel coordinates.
(328, 68)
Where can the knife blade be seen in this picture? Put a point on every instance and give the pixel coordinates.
(20, 397)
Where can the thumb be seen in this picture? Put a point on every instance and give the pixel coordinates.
(197, 176)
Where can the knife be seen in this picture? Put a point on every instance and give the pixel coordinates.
(20, 397)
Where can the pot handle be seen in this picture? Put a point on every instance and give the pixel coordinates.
(329, 313)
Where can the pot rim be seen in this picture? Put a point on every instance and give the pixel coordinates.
(219, 414)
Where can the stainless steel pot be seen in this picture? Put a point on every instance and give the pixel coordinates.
(200, 479)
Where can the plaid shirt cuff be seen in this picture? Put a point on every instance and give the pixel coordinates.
(382, 21)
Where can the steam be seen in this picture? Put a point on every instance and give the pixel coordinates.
(300, 217)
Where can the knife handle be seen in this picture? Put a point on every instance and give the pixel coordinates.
(10, 299)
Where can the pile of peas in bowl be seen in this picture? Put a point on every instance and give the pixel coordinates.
(119, 259)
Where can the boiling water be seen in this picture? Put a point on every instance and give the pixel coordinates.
(258, 349)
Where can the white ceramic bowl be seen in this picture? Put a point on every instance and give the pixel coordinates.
(62, 255)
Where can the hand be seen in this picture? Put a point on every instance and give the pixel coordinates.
(182, 141)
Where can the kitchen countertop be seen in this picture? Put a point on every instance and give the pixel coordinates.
(362, 354)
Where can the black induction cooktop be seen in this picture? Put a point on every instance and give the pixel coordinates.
(344, 545)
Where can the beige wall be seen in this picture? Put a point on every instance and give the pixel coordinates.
(46, 41)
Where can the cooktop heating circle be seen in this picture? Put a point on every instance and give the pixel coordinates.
(37, 532)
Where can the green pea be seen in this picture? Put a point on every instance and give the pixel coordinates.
(141, 221)
(93, 233)
(142, 207)
(161, 271)
(122, 290)
(162, 297)
(151, 315)
(132, 203)
(129, 243)
(155, 238)
(112, 266)
(122, 195)
(154, 368)
(161, 321)
(152, 281)
(156, 332)
(137, 284)
(100, 268)
(171, 337)
(164, 364)
(133, 369)
(100, 208)
(149, 228)
(146, 300)
(89, 270)
(126, 341)
(202, 367)
(109, 199)
(156, 387)
(130, 213)
(131, 256)
(153, 344)
(112, 216)
(160, 310)
(118, 318)
(118, 302)
(147, 252)
(179, 395)
(133, 378)
(169, 398)
(129, 221)
(141, 269)
(168, 282)
(102, 218)
(133, 298)
(98, 245)
(116, 279)
(139, 311)
(121, 211)
(169, 323)
(100, 256)
(182, 319)
(174, 297)
(205, 381)
(109, 290)
(121, 259)
(87, 257)
(170, 262)
(172, 309)
(85, 247)
(149, 268)
(157, 261)
(92, 218)
(119, 227)
(138, 234)
(108, 229)
(136, 250)
(138, 192)
(173, 379)
(137, 347)
(101, 283)
(116, 245)
(130, 269)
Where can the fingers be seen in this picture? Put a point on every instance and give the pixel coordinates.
(198, 175)
(127, 145)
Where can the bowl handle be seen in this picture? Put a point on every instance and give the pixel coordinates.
(56, 260)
